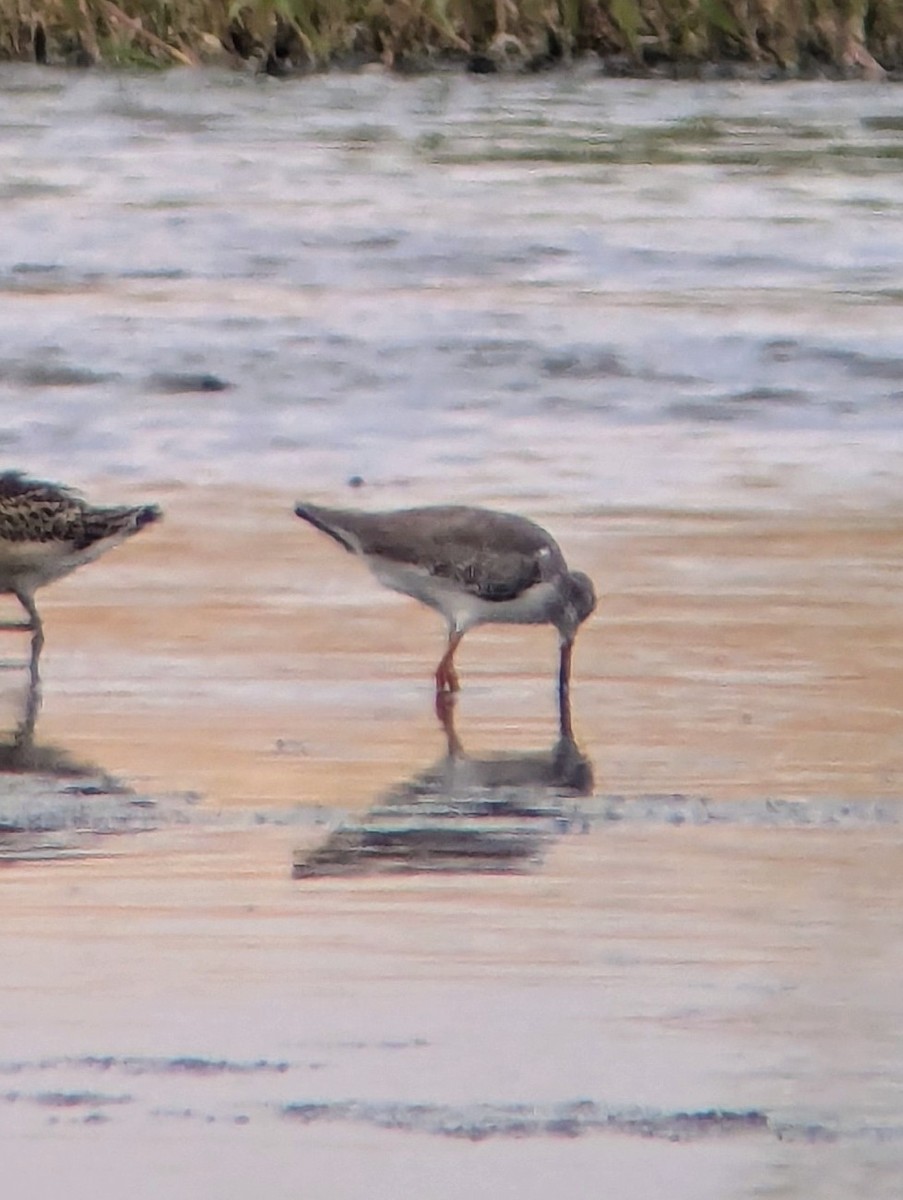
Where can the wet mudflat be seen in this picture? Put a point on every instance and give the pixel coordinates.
(268, 925)
(669, 954)
(717, 1007)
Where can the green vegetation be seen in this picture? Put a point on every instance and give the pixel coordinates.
(846, 37)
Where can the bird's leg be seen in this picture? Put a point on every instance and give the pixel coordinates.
(37, 633)
(25, 732)
(446, 675)
(564, 690)
(24, 735)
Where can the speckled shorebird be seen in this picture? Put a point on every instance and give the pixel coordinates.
(46, 531)
(472, 565)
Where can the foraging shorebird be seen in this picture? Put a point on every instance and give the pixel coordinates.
(46, 531)
(473, 566)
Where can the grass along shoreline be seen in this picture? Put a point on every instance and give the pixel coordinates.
(758, 38)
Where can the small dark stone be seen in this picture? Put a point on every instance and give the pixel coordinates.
(277, 66)
(482, 64)
(178, 382)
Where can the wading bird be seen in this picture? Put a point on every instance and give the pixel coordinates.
(46, 531)
(473, 565)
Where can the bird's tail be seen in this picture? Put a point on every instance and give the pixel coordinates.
(147, 514)
(101, 523)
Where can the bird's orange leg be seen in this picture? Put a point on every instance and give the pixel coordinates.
(446, 675)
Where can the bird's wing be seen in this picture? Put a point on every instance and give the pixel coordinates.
(491, 574)
(495, 556)
(32, 511)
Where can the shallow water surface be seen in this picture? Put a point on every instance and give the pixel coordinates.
(602, 292)
(465, 1035)
(663, 958)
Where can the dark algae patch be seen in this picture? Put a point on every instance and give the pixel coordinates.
(138, 1065)
(479, 1122)
(579, 1118)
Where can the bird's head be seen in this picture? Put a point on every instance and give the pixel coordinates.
(578, 599)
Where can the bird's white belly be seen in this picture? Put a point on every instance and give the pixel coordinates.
(529, 608)
(462, 610)
(34, 564)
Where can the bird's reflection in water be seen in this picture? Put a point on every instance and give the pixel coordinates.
(18, 751)
(495, 813)
(47, 810)
(23, 736)
(21, 754)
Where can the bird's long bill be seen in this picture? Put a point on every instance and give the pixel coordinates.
(564, 690)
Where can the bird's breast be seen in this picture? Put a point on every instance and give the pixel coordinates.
(37, 563)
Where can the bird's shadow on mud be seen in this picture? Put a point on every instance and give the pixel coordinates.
(492, 813)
